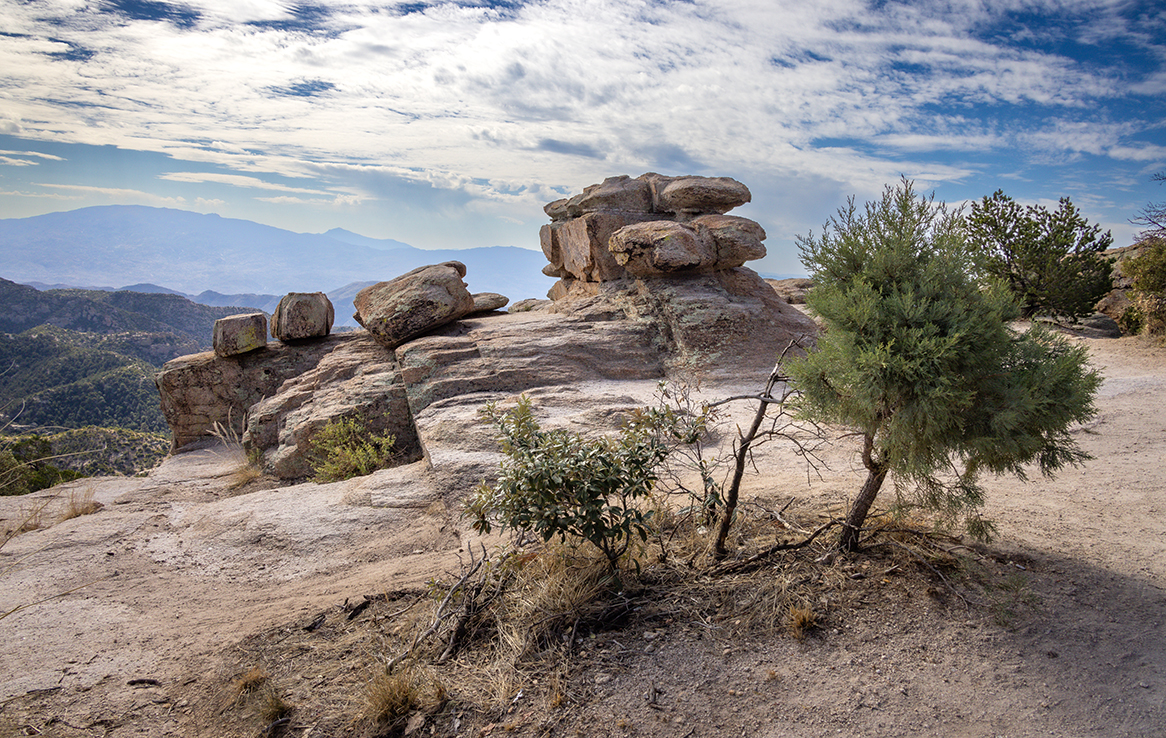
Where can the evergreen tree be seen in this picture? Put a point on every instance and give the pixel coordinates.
(1051, 261)
(918, 358)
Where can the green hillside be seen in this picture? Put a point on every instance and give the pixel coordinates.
(77, 378)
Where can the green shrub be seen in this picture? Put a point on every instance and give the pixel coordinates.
(345, 448)
(1147, 271)
(558, 483)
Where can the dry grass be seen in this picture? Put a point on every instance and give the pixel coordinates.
(248, 464)
(248, 683)
(549, 617)
(80, 503)
(391, 698)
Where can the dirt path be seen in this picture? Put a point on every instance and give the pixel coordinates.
(178, 573)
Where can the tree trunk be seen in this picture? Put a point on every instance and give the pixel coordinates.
(877, 472)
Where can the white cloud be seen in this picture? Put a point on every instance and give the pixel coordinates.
(235, 180)
(119, 194)
(501, 109)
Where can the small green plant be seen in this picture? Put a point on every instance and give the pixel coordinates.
(344, 448)
(1147, 271)
(558, 483)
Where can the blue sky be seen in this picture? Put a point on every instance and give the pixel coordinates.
(450, 124)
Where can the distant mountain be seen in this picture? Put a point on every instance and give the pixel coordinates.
(358, 240)
(194, 253)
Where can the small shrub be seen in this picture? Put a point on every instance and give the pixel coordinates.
(1147, 272)
(345, 448)
(558, 483)
(1131, 321)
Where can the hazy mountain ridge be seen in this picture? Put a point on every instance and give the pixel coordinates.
(192, 253)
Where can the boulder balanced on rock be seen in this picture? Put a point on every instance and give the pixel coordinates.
(302, 315)
(238, 334)
(415, 303)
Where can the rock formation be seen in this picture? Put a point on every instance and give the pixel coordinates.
(652, 285)
(663, 249)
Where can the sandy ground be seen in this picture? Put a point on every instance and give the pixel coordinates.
(176, 582)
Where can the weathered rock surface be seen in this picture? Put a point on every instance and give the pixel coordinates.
(200, 390)
(357, 379)
(302, 315)
(487, 301)
(793, 290)
(238, 334)
(414, 303)
(718, 324)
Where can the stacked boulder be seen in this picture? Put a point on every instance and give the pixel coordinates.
(664, 249)
(649, 226)
(301, 315)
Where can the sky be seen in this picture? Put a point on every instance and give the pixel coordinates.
(449, 124)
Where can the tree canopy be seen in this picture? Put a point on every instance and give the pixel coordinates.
(1051, 260)
(918, 357)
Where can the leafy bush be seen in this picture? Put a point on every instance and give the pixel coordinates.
(558, 483)
(345, 448)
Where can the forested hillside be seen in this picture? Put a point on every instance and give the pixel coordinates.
(77, 378)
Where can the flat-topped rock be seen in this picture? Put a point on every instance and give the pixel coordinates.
(238, 334)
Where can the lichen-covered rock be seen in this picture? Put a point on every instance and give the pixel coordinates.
(415, 303)
(238, 334)
(659, 247)
(302, 315)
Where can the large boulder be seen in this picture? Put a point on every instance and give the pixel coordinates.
(357, 379)
(415, 303)
(302, 315)
(696, 194)
(238, 334)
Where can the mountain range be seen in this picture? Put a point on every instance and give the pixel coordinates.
(164, 250)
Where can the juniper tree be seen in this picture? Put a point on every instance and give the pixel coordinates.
(1051, 260)
(919, 359)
